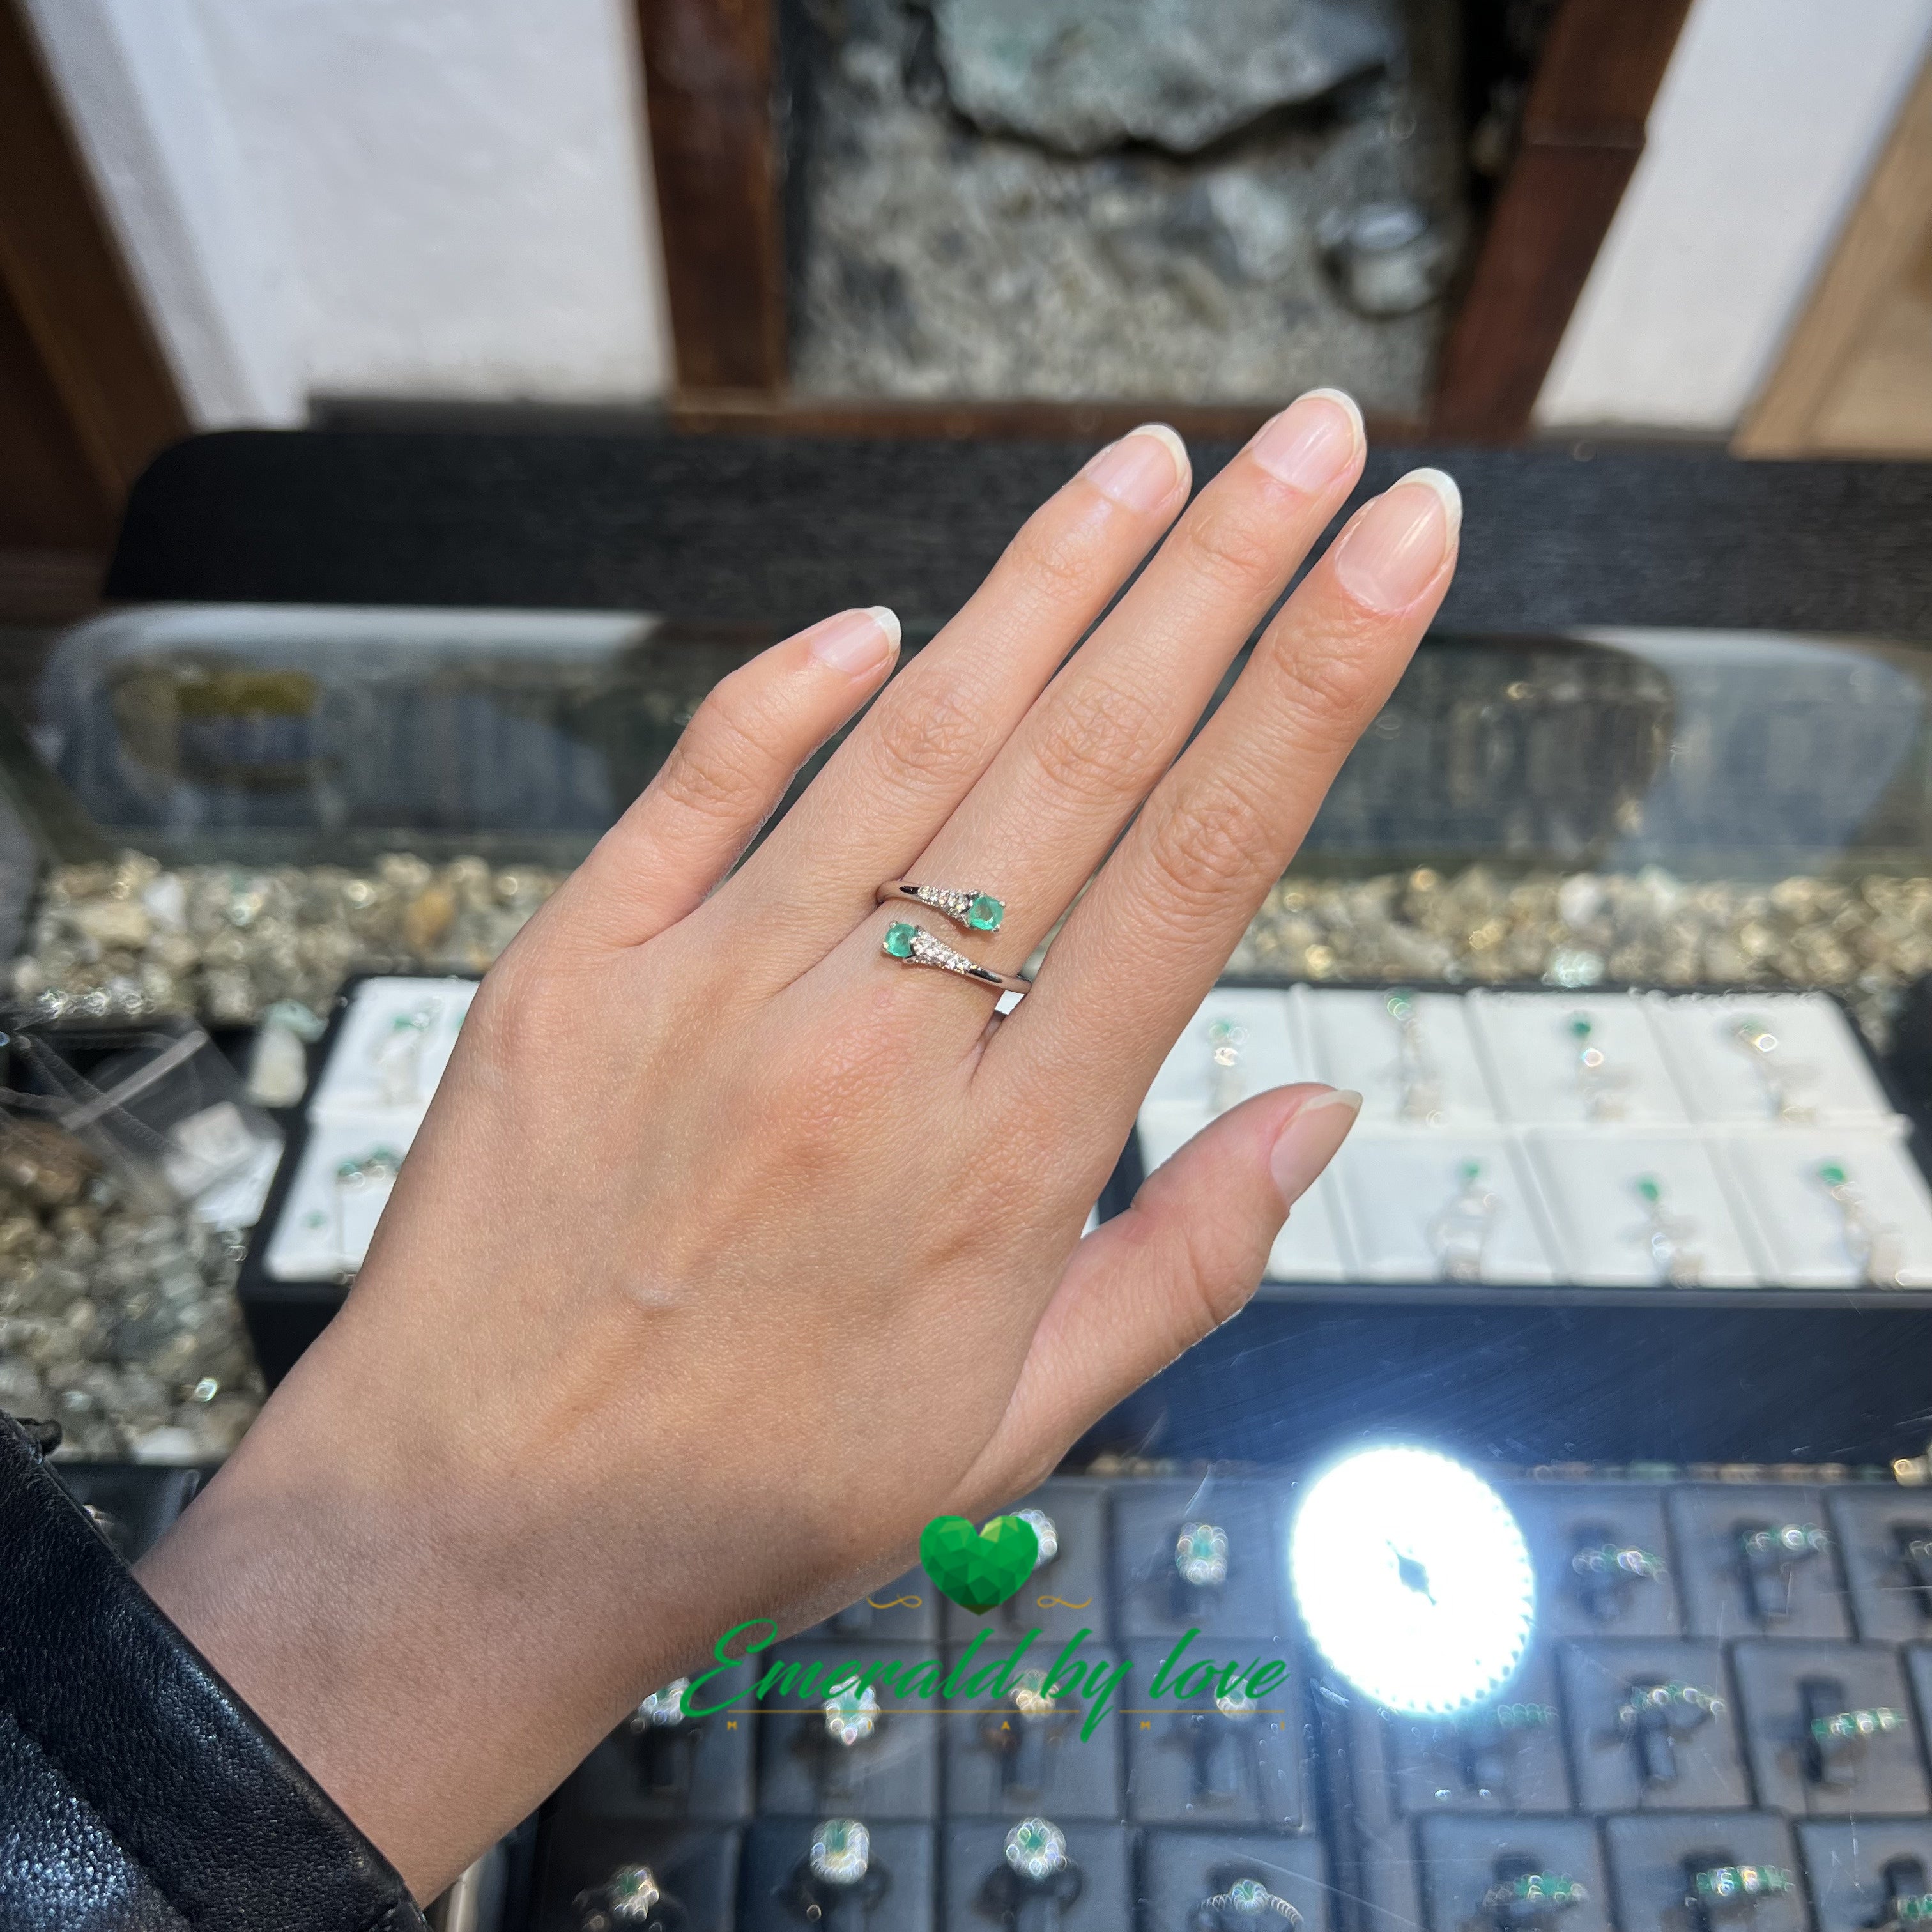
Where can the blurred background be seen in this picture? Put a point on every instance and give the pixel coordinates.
(1490, 219)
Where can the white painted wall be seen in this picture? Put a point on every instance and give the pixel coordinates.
(1769, 119)
(449, 198)
(443, 198)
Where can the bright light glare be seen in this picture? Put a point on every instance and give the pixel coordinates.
(1413, 1580)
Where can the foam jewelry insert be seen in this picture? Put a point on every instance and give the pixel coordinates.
(1533, 1138)
(390, 1047)
(394, 1043)
(327, 1219)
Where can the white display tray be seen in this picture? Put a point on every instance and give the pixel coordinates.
(1392, 1187)
(1357, 1043)
(324, 1229)
(1310, 1246)
(1824, 1073)
(1533, 1056)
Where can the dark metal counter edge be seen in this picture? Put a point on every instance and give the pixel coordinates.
(777, 531)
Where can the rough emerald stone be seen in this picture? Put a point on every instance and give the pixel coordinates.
(898, 939)
(985, 914)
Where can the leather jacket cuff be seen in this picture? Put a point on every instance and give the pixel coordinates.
(136, 1790)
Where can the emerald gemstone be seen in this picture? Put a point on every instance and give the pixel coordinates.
(985, 914)
(899, 936)
(1580, 1026)
(1832, 1175)
(1647, 1186)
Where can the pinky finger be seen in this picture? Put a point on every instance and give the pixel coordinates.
(726, 774)
(1149, 1284)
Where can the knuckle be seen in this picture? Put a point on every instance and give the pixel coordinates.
(1234, 545)
(718, 768)
(1097, 739)
(1058, 555)
(1333, 687)
(1218, 1280)
(1210, 845)
(523, 1013)
(919, 738)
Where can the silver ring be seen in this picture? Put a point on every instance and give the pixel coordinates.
(1534, 1893)
(1200, 1554)
(1251, 1899)
(1643, 1699)
(916, 947)
(1045, 1534)
(1036, 1848)
(841, 1852)
(380, 1164)
(1844, 1725)
(965, 906)
(1609, 1559)
(851, 1714)
(1031, 1698)
(634, 1894)
(1791, 1541)
(1723, 1883)
(662, 1710)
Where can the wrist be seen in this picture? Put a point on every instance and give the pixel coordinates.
(405, 1622)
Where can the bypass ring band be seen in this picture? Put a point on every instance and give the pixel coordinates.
(965, 906)
(916, 947)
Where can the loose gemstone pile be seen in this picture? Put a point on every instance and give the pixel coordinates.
(129, 939)
(1867, 938)
(116, 1318)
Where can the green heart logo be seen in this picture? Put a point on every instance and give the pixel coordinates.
(979, 1569)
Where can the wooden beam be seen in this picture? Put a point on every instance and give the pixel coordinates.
(1855, 375)
(1582, 133)
(79, 337)
(708, 90)
(1023, 421)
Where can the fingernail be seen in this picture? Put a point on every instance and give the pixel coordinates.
(857, 641)
(1142, 470)
(1391, 552)
(1311, 442)
(1307, 1144)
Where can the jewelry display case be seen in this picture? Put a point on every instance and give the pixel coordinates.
(1619, 919)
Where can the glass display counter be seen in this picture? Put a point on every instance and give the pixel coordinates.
(1557, 1523)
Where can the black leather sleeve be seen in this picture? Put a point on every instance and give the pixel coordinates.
(137, 1792)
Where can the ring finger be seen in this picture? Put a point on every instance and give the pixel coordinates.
(941, 722)
(1055, 797)
(1145, 945)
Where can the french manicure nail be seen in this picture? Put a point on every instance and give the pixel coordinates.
(1311, 442)
(1307, 1144)
(857, 641)
(1142, 470)
(1391, 552)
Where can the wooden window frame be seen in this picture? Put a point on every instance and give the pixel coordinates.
(710, 68)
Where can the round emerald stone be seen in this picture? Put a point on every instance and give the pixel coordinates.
(1832, 1175)
(898, 939)
(985, 914)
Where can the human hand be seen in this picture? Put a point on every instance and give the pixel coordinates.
(732, 1249)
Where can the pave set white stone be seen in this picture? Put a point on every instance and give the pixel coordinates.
(915, 946)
